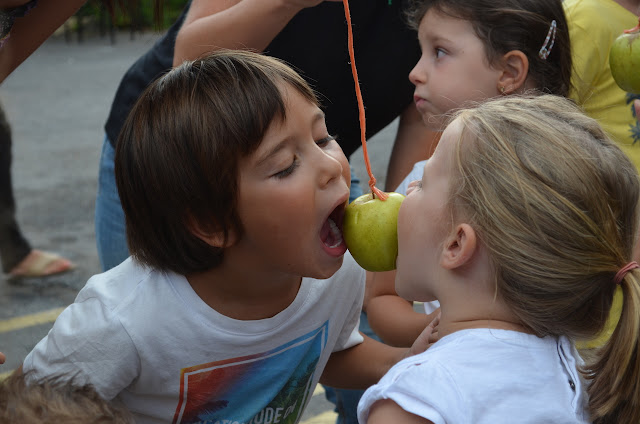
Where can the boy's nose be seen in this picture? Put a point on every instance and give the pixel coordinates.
(329, 169)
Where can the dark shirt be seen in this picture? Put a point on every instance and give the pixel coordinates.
(314, 43)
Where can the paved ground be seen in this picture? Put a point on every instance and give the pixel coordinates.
(57, 102)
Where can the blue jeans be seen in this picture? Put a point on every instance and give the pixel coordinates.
(111, 236)
(346, 401)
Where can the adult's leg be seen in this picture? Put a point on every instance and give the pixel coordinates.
(111, 236)
(356, 189)
(13, 246)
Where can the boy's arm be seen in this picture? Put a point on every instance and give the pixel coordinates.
(391, 317)
(234, 24)
(31, 30)
(362, 365)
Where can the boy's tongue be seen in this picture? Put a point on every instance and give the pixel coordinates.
(330, 234)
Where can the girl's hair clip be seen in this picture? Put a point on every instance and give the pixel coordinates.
(551, 38)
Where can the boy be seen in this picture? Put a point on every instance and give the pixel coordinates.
(236, 298)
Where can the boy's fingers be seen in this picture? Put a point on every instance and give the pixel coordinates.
(428, 336)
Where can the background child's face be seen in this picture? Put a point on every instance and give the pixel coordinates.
(424, 222)
(289, 187)
(453, 68)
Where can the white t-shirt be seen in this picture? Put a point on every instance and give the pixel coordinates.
(146, 338)
(486, 376)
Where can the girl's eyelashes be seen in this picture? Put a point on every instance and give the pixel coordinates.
(289, 170)
(413, 186)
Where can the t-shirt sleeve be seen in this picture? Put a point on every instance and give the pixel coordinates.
(89, 345)
(589, 53)
(426, 390)
(354, 279)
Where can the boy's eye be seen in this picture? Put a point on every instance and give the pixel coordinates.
(324, 141)
(439, 52)
(288, 170)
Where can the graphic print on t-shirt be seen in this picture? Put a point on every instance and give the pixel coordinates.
(265, 388)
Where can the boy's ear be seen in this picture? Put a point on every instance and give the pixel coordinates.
(459, 247)
(515, 69)
(212, 238)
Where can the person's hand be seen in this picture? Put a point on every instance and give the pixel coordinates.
(2, 358)
(428, 337)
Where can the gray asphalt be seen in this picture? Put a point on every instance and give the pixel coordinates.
(57, 102)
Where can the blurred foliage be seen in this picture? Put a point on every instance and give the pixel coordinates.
(138, 14)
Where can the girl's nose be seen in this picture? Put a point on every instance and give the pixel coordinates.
(418, 75)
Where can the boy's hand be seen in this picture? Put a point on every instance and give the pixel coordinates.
(2, 358)
(428, 337)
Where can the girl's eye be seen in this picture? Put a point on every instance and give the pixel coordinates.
(439, 52)
(413, 186)
(289, 170)
(323, 142)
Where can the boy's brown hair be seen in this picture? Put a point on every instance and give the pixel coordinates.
(176, 161)
(55, 401)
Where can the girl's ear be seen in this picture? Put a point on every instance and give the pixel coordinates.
(515, 69)
(459, 248)
(212, 238)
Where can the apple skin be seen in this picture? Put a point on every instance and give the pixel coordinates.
(624, 61)
(370, 229)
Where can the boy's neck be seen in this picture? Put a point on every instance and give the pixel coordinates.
(242, 293)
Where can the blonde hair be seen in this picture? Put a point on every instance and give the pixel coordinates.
(55, 400)
(555, 202)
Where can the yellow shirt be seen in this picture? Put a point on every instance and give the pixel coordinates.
(593, 26)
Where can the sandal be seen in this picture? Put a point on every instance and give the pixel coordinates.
(41, 264)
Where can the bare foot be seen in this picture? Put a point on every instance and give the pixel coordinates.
(41, 264)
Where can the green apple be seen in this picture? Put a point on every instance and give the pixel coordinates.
(370, 229)
(624, 60)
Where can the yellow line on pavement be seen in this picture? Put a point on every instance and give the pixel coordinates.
(30, 320)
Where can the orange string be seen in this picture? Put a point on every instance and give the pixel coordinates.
(372, 180)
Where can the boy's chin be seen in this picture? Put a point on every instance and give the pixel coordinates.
(328, 271)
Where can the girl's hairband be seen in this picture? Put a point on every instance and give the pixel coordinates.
(623, 271)
(551, 37)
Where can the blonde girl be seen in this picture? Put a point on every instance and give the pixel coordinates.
(523, 227)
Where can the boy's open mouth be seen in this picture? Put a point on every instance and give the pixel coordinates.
(331, 232)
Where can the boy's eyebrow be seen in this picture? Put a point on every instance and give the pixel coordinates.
(319, 115)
